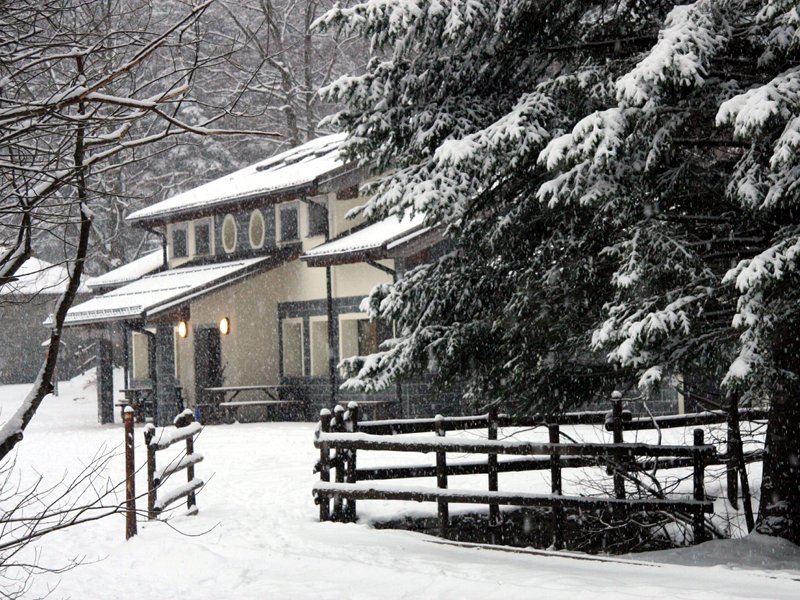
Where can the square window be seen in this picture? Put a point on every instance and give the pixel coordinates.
(289, 224)
(317, 219)
(202, 238)
(293, 348)
(319, 348)
(180, 248)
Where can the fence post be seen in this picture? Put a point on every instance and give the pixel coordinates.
(494, 508)
(699, 488)
(324, 465)
(130, 476)
(149, 432)
(338, 463)
(441, 479)
(555, 488)
(350, 473)
(616, 428)
(191, 500)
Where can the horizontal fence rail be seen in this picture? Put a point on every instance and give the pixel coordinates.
(362, 441)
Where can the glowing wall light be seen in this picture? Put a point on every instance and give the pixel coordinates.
(224, 326)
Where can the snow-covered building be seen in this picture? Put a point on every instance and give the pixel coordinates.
(25, 305)
(258, 286)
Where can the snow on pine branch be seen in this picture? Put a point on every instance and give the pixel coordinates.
(770, 265)
(692, 36)
(597, 136)
(781, 21)
(503, 144)
(762, 107)
(396, 24)
(588, 156)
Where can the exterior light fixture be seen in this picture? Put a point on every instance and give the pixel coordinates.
(224, 326)
(183, 329)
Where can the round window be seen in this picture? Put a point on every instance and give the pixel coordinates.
(229, 234)
(256, 229)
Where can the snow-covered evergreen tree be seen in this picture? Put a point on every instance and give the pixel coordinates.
(618, 180)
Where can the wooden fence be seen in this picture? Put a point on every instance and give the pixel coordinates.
(340, 436)
(186, 428)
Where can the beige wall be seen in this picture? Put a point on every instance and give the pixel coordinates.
(250, 350)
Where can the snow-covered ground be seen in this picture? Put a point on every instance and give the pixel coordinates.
(257, 536)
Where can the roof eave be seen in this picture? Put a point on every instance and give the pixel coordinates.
(337, 179)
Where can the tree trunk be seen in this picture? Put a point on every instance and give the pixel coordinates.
(779, 512)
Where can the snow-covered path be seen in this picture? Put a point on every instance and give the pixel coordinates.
(256, 536)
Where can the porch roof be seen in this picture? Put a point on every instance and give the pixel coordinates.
(136, 269)
(297, 170)
(388, 238)
(156, 293)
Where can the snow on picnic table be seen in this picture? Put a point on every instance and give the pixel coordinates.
(257, 536)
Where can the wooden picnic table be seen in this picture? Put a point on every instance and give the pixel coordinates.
(228, 402)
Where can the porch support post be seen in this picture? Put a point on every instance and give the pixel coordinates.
(165, 408)
(332, 336)
(105, 378)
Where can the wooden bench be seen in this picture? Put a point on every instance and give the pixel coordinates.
(231, 406)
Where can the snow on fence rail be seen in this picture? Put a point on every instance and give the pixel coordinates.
(344, 435)
(156, 439)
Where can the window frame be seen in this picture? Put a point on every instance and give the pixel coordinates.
(279, 210)
(229, 218)
(179, 228)
(317, 369)
(292, 321)
(207, 222)
(256, 213)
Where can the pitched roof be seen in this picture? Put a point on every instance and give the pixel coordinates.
(375, 241)
(155, 293)
(37, 276)
(136, 269)
(295, 168)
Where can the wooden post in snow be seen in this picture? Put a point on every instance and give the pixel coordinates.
(555, 488)
(350, 472)
(441, 480)
(338, 465)
(324, 465)
(149, 432)
(494, 509)
(699, 488)
(130, 476)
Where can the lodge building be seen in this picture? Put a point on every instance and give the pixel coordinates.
(255, 292)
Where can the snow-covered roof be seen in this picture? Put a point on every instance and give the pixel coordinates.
(37, 276)
(136, 269)
(294, 168)
(373, 241)
(161, 291)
